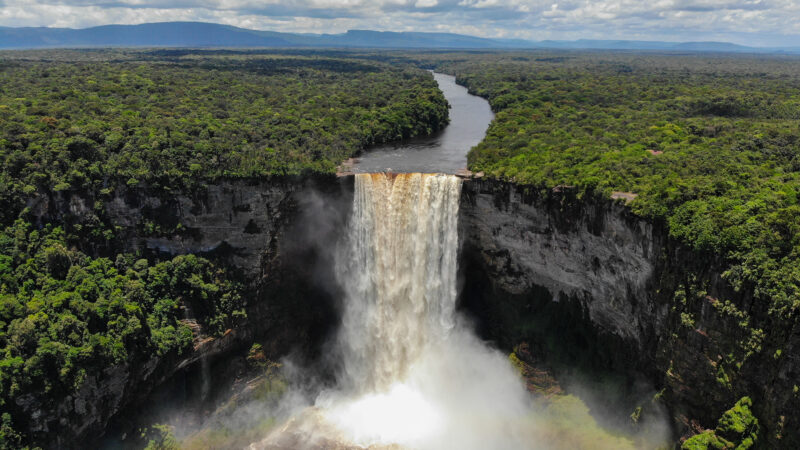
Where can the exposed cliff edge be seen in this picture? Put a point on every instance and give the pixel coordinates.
(546, 265)
(581, 276)
(240, 219)
(596, 254)
(266, 231)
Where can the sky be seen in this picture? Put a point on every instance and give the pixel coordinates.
(747, 22)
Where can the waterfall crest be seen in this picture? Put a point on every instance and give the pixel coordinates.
(399, 273)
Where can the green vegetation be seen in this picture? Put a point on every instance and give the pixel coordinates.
(9, 437)
(250, 414)
(708, 145)
(737, 429)
(168, 119)
(160, 437)
(566, 423)
(87, 121)
(66, 317)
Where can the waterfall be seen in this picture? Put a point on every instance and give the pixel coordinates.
(412, 372)
(399, 273)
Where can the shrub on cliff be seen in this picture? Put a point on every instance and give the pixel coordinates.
(737, 429)
(159, 437)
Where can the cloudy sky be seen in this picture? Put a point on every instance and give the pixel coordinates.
(749, 22)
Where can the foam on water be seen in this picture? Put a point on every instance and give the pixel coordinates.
(411, 374)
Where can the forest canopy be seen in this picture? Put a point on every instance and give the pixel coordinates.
(709, 145)
(172, 117)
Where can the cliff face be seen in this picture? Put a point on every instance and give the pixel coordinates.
(596, 254)
(238, 219)
(268, 232)
(586, 281)
(580, 279)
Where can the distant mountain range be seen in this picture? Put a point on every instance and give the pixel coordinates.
(199, 34)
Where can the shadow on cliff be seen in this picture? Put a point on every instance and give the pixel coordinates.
(291, 313)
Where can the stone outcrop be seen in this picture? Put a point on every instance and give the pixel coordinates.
(587, 278)
(238, 219)
(267, 231)
(580, 276)
(598, 254)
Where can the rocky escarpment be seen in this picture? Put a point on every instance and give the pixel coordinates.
(598, 255)
(268, 232)
(581, 280)
(586, 282)
(238, 219)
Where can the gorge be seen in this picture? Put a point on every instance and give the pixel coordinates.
(391, 266)
(410, 372)
(567, 283)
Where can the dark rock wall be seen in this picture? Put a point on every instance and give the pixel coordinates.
(269, 233)
(598, 255)
(584, 281)
(581, 280)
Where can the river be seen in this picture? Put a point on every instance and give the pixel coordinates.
(441, 152)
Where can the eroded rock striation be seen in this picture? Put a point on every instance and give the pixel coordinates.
(598, 255)
(266, 232)
(585, 280)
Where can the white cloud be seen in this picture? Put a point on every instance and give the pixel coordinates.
(754, 22)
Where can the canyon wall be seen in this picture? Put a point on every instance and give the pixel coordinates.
(581, 280)
(267, 233)
(596, 254)
(586, 282)
(238, 219)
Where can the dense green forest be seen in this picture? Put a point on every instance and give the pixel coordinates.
(707, 146)
(171, 118)
(86, 121)
(710, 145)
(65, 316)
